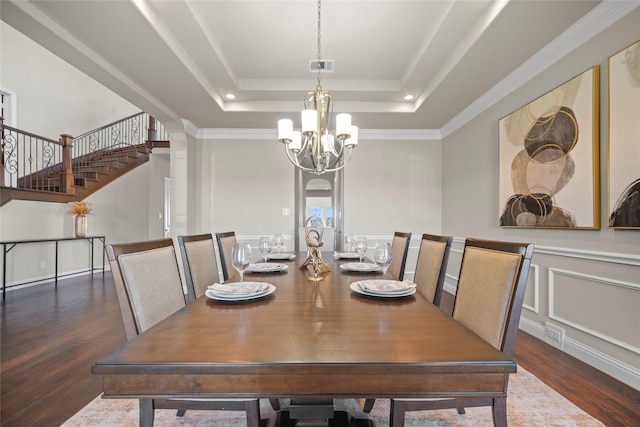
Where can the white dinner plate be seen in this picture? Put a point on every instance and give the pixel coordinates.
(283, 256)
(355, 287)
(266, 267)
(223, 296)
(385, 286)
(360, 267)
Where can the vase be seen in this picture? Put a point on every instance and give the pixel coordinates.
(80, 226)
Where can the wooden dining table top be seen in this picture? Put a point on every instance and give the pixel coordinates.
(306, 339)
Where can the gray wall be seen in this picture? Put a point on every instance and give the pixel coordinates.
(586, 282)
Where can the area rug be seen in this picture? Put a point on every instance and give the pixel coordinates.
(530, 403)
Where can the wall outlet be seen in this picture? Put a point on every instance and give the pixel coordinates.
(554, 335)
(43, 264)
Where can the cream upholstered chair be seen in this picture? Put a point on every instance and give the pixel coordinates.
(149, 289)
(491, 285)
(399, 251)
(431, 266)
(226, 242)
(199, 263)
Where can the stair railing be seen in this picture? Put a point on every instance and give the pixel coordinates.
(92, 147)
(33, 162)
(30, 161)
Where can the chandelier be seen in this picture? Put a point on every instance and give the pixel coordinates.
(315, 148)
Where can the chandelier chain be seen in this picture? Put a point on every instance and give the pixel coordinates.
(319, 32)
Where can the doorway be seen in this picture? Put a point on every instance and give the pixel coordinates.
(321, 196)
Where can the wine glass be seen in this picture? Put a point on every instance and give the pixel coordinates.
(278, 240)
(241, 257)
(348, 240)
(361, 246)
(382, 256)
(265, 247)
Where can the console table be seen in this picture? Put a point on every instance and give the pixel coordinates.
(8, 245)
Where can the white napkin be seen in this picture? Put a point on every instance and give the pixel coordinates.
(240, 288)
(346, 255)
(386, 286)
(266, 266)
(281, 256)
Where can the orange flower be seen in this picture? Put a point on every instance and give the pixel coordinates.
(79, 208)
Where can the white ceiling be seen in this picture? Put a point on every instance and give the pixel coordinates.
(178, 59)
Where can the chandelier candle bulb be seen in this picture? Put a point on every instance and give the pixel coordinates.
(353, 141)
(296, 141)
(309, 122)
(343, 125)
(285, 129)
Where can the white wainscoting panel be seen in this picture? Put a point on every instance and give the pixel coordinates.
(601, 290)
(532, 293)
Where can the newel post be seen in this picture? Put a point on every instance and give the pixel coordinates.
(152, 132)
(66, 176)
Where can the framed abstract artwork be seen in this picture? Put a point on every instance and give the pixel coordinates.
(624, 138)
(549, 174)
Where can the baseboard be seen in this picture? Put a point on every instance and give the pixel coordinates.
(605, 363)
(619, 370)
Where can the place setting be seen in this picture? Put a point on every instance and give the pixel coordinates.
(266, 267)
(266, 246)
(384, 288)
(382, 258)
(240, 291)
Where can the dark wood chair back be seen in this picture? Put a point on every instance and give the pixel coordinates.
(147, 281)
(431, 266)
(226, 242)
(399, 251)
(199, 263)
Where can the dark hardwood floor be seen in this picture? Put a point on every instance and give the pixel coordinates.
(51, 337)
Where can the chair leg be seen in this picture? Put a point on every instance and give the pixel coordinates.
(146, 412)
(396, 415)
(461, 411)
(253, 413)
(368, 405)
(181, 412)
(499, 410)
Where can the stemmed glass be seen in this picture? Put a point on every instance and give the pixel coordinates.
(382, 256)
(348, 240)
(278, 240)
(241, 257)
(361, 246)
(265, 247)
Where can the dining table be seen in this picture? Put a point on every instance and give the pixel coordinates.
(311, 341)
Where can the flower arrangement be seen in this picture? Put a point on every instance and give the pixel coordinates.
(79, 208)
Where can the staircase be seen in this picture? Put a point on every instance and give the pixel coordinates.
(73, 168)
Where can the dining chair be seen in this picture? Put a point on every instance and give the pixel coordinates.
(399, 251)
(149, 289)
(199, 263)
(431, 266)
(488, 301)
(226, 242)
